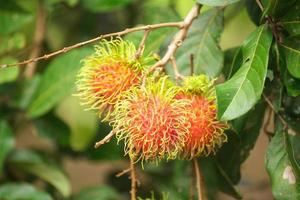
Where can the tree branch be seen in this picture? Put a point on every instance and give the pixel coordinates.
(142, 44)
(285, 124)
(125, 171)
(78, 45)
(199, 184)
(106, 139)
(39, 35)
(178, 76)
(133, 180)
(179, 37)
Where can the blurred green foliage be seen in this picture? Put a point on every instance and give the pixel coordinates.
(44, 101)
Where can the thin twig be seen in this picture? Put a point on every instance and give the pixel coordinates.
(175, 69)
(192, 64)
(260, 5)
(177, 40)
(133, 180)
(179, 37)
(199, 184)
(270, 116)
(285, 124)
(106, 139)
(39, 35)
(192, 183)
(125, 171)
(142, 44)
(124, 32)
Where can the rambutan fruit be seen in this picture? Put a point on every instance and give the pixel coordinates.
(205, 133)
(151, 121)
(111, 70)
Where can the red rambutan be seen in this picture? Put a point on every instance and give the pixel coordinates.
(151, 121)
(111, 70)
(205, 133)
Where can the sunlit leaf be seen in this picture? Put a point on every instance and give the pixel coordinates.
(239, 94)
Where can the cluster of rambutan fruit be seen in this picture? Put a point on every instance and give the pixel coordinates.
(156, 118)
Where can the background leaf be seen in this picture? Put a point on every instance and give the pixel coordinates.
(202, 41)
(22, 191)
(284, 180)
(217, 2)
(239, 94)
(104, 5)
(30, 162)
(57, 82)
(291, 21)
(8, 74)
(292, 57)
(6, 142)
(96, 193)
(12, 17)
(276, 8)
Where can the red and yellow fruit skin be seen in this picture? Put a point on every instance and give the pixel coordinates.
(151, 121)
(111, 70)
(206, 133)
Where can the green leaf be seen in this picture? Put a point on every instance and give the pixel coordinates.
(216, 2)
(233, 60)
(202, 42)
(12, 17)
(8, 74)
(33, 163)
(292, 84)
(26, 89)
(276, 8)
(283, 175)
(104, 5)
(83, 124)
(292, 58)
(254, 11)
(96, 193)
(22, 191)
(216, 179)
(291, 21)
(241, 141)
(52, 127)
(14, 42)
(57, 82)
(6, 142)
(239, 94)
(152, 14)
